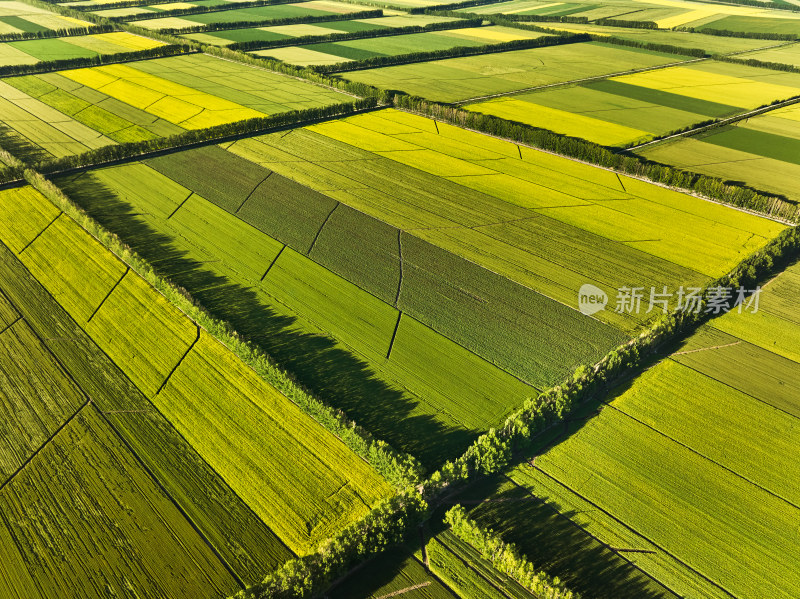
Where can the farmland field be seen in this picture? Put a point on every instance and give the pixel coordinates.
(311, 8)
(244, 356)
(300, 268)
(337, 52)
(73, 111)
(287, 32)
(81, 46)
(20, 17)
(663, 464)
(171, 380)
(666, 14)
(760, 152)
(635, 108)
(458, 79)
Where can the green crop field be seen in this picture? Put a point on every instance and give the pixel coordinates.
(82, 46)
(459, 79)
(339, 52)
(761, 152)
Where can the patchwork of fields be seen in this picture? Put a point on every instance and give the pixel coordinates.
(692, 464)
(72, 111)
(82, 46)
(347, 309)
(287, 32)
(338, 52)
(160, 381)
(310, 8)
(20, 17)
(666, 14)
(633, 109)
(460, 79)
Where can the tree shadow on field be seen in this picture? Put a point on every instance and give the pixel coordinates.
(21, 148)
(545, 534)
(328, 371)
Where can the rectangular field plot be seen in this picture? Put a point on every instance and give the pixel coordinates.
(336, 52)
(761, 152)
(81, 46)
(106, 527)
(459, 79)
(313, 8)
(20, 17)
(70, 112)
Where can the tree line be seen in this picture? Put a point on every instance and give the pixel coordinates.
(353, 35)
(94, 61)
(752, 62)
(453, 6)
(381, 61)
(626, 24)
(202, 28)
(756, 35)
(735, 195)
(505, 557)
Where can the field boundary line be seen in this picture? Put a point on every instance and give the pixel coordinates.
(49, 439)
(694, 351)
(174, 501)
(574, 81)
(705, 457)
(5, 328)
(405, 590)
(321, 227)
(718, 123)
(183, 357)
(27, 245)
(249, 195)
(271, 264)
(186, 199)
(394, 334)
(634, 531)
(110, 291)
